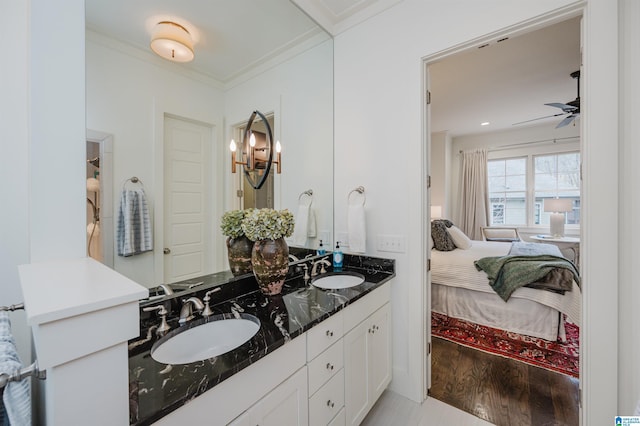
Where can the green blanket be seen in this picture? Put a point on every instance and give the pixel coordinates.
(508, 273)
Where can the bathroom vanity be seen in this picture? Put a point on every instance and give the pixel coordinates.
(319, 356)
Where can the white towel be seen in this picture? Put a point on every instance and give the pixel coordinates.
(301, 227)
(356, 227)
(134, 223)
(311, 226)
(16, 396)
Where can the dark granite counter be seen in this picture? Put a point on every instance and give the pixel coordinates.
(156, 389)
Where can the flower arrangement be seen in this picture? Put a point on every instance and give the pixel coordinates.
(263, 224)
(232, 222)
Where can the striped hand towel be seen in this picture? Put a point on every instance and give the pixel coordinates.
(16, 397)
(134, 234)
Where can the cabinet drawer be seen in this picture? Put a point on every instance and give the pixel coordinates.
(325, 366)
(340, 419)
(328, 401)
(324, 335)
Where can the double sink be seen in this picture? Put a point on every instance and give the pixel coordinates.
(219, 335)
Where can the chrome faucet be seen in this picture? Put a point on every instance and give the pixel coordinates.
(186, 312)
(322, 262)
(162, 313)
(293, 258)
(167, 289)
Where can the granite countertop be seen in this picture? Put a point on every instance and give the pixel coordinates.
(156, 389)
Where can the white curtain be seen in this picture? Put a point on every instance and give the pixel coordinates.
(473, 211)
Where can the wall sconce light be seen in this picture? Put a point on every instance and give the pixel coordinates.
(254, 156)
(557, 207)
(278, 157)
(172, 41)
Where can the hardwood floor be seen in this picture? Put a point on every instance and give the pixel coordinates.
(500, 390)
(473, 388)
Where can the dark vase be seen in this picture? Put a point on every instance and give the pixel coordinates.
(270, 260)
(239, 253)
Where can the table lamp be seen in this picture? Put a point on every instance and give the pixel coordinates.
(557, 207)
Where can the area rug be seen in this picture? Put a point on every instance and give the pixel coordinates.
(562, 357)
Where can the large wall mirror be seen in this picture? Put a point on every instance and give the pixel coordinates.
(170, 124)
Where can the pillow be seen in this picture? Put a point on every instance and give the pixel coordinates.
(441, 239)
(459, 238)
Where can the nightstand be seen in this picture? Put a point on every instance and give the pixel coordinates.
(563, 243)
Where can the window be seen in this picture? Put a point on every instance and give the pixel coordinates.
(518, 187)
(557, 176)
(508, 190)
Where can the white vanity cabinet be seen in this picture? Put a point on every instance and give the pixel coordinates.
(284, 405)
(367, 361)
(332, 375)
(349, 361)
(326, 376)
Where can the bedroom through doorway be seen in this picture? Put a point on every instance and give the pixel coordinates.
(514, 98)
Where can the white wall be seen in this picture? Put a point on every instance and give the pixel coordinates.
(629, 385)
(14, 168)
(378, 110)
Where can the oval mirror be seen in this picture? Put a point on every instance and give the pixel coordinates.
(257, 146)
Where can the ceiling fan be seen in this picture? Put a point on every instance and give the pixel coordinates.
(571, 109)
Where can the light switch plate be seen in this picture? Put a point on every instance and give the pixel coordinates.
(392, 243)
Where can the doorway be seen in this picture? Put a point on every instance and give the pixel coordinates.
(447, 204)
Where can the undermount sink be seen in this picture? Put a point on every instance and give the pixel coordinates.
(217, 336)
(338, 280)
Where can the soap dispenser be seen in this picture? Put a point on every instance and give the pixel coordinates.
(321, 249)
(337, 257)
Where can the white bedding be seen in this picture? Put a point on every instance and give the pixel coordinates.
(456, 269)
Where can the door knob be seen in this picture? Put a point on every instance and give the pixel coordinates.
(166, 250)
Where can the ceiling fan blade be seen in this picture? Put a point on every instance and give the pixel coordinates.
(539, 118)
(564, 107)
(567, 120)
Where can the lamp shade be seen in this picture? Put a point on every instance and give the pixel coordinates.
(436, 212)
(172, 41)
(557, 205)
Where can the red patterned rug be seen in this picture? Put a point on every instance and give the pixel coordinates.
(562, 357)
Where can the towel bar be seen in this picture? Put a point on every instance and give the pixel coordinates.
(30, 371)
(15, 307)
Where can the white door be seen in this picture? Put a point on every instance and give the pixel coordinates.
(187, 199)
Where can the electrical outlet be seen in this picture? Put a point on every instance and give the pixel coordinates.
(392, 243)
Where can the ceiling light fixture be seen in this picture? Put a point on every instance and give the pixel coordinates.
(485, 123)
(172, 41)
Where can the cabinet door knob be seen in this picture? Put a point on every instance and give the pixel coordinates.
(166, 250)
(329, 333)
(329, 366)
(330, 404)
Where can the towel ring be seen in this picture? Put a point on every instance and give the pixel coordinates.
(359, 190)
(132, 179)
(308, 192)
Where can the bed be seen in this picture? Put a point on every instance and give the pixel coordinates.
(460, 290)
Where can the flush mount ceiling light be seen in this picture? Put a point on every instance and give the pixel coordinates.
(172, 41)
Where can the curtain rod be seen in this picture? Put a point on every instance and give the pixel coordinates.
(542, 141)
